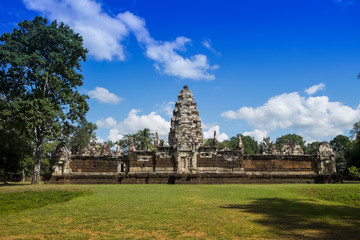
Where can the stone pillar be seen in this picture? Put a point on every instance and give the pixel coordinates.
(132, 147)
(156, 140)
(118, 151)
(215, 140)
(240, 144)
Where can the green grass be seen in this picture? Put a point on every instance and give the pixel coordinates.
(18, 201)
(286, 211)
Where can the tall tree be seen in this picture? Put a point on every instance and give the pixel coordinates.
(291, 139)
(40, 69)
(266, 144)
(144, 139)
(339, 144)
(355, 132)
(81, 135)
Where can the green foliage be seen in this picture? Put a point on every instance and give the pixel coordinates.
(352, 153)
(251, 146)
(143, 140)
(355, 132)
(265, 145)
(209, 142)
(39, 76)
(339, 144)
(81, 135)
(13, 202)
(231, 144)
(291, 139)
(354, 173)
(312, 148)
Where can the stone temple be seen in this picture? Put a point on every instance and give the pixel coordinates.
(186, 160)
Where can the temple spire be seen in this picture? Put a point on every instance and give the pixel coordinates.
(185, 132)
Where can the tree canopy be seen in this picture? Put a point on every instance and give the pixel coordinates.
(40, 73)
(291, 139)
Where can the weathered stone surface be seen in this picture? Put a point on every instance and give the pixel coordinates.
(92, 149)
(156, 140)
(132, 146)
(118, 151)
(106, 151)
(288, 149)
(326, 159)
(185, 132)
(61, 160)
(240, 145)
(187, 161)
(215, 141)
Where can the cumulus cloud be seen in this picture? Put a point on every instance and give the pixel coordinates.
(314, 89)
(103, 35)
(314, 117)
(167, 108)
(104, 96)
(106, 123)
(257, 134)
(210, 133)
(165, 54)
(135, 122)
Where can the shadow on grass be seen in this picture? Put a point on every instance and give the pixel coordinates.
(10, 184)
(304, 219)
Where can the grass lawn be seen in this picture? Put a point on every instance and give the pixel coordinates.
(279, 211)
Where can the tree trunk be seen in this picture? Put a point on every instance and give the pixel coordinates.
(23, 176)
(36, 175)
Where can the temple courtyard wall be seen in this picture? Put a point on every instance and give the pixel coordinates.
(219, 167)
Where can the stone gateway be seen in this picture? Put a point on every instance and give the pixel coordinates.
(186, 160)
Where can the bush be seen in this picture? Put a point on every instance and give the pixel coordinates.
(354, 173)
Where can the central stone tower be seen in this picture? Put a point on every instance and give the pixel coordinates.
(185, 133)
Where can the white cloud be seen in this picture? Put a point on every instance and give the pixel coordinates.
(257, 134)
(103, 35)
(107, 123)
(210, 133)
(135, 122)
(114, 135)
(167, 108)
(314, 89)
(207, 44)
(165, 54)
(104, 96)
(314, 117)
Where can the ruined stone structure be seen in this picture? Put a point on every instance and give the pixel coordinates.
(186, 160)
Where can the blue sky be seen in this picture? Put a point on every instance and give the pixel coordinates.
(260, 68)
